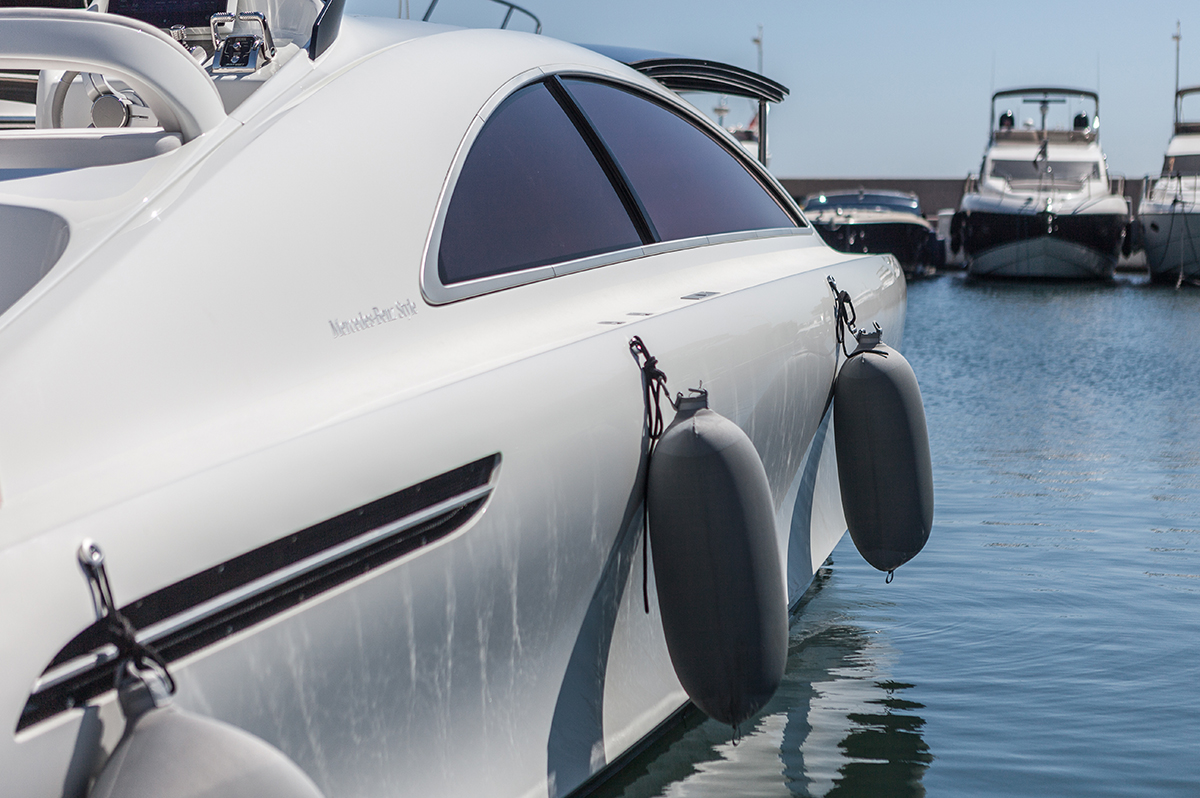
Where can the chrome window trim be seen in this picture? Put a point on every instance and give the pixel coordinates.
(436, 293)
(439, 294)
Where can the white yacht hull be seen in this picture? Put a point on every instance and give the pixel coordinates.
(1172, 243)
(210, 396)
(512, 657)
(1042, 258)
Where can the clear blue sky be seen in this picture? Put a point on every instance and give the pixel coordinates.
(901, 89)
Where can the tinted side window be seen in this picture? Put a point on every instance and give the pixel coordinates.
(689, 184)
(530, 193)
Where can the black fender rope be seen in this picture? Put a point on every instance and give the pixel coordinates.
(654, 382)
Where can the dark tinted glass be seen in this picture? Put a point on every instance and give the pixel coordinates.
(689, 184)
(1181, 165)
(1076, 171)
(530, 193)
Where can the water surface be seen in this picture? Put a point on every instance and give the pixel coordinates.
(1047, 641)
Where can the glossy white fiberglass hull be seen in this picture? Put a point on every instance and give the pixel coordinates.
(1172, 243)
(198, 409)
(1168, 214)
(522, 638)
(1170, 225)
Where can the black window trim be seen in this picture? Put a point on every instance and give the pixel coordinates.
(608, 162)
(435, 292)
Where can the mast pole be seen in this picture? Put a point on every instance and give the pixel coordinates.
(1177, 37)
(758, 42)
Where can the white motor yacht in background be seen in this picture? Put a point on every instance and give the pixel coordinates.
(328, 443)
(1168, 216)
(1042, 206)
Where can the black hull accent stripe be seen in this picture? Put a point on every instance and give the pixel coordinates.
(1102, 232)
(908, 242)
(203, 609)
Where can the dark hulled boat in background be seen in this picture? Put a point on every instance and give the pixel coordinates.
(876, 221)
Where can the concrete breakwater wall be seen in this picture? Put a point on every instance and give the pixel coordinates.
(935, 193)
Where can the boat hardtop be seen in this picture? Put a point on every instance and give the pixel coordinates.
(875, 198)
(1185, 140)
(1064, 159)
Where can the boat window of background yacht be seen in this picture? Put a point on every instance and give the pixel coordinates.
(1073, 171)
(689, 184)
(530, 193)
(1181, 165)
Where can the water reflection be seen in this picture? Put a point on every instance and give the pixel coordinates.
(838, 726)
(886, 751)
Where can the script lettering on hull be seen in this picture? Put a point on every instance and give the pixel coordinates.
(375, 317)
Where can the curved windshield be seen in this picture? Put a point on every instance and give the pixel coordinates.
(1073, 171)
(864, 199)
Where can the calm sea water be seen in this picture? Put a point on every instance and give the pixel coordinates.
(1047, 640)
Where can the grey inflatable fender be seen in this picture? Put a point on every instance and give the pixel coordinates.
(882, 443)
(716, 563)
(169, 753)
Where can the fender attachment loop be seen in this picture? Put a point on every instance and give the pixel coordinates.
(117, 628)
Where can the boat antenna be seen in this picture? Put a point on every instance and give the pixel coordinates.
(1177, 37)
(758, 42)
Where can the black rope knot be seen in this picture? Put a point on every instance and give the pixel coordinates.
(117, 629)
(655, 384)
(844, 315)
(122, 634)
(845, 318)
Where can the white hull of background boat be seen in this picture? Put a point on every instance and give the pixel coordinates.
(1171, 238)
(1042, 258)
(391, 527)
(1168, 216)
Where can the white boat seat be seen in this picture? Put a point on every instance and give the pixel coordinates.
(24, 152)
